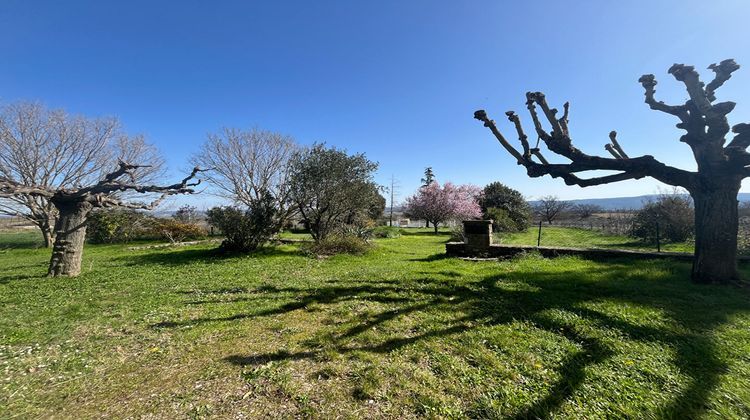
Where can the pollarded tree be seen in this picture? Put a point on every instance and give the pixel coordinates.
(438, 204)
(74, 204)
(713, 187)
(53, 150)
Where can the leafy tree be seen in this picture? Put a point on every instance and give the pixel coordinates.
(331, 189)
(438, 204)
(429, 176)
(722, 163)
(550, 207)
(505, 206)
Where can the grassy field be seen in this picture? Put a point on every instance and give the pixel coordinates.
(584, 238)
(399, 332)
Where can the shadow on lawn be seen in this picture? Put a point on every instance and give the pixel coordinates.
(497, 300)
(179, 256)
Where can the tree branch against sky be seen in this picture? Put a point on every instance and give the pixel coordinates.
(326, 72)
(53, 150)
(722, 160)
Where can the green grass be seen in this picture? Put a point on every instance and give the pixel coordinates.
(584, 238)
(400, 332)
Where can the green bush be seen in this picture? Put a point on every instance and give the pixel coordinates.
(177, 231)
(337, 244)
(386, 232)
(108, 226)
(245, 230)
(673, 212)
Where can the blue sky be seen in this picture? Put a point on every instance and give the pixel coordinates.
(398, 80)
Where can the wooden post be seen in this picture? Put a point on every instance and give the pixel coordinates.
(658, 244)
(539, 236)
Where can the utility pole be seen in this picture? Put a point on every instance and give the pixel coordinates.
(394, 193)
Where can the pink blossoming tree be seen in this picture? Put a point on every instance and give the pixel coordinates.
(438, 204)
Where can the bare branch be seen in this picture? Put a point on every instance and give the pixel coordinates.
(482, 116)
(648, 81)
(616, 145)
(723, 72)
(513, 117)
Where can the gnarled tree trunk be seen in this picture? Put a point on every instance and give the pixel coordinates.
(70, 234)
(716, 228)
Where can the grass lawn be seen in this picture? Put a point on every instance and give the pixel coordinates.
(399, 332)
(584, 238)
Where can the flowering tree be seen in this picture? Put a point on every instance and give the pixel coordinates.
(438, 204)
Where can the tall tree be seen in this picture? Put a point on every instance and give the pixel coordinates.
(440, 204)
(53, 150)
(429, 176)
(331, 188)
(713, 187)
(74, 204)
(246, 166)
(550, 207)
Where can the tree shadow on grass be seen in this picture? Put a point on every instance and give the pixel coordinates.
(531, 296)
(178, 257)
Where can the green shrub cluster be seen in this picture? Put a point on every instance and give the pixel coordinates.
(337, 244)
(386, 232)
(108, 226)
(245, 230)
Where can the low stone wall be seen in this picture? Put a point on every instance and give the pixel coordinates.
(459, 249)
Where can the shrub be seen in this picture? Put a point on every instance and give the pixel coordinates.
(176, 230)
(337, 244)
(506, 206)
(673, 212)
(386, 232)
(245, 230)
(109, 226)
(503, 222)
(457, 233)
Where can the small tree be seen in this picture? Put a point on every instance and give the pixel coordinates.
(52, 150)
(438, 204)
(186, 214)
(75, 204)
(505, 206)
(584, 211)
(248, 167)
(331, 188)
(550, 207)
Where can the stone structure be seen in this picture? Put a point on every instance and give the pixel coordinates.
(478, 234)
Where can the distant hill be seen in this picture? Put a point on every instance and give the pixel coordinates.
(628, 203)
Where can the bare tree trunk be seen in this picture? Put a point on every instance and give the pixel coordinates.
(716, 226)
(47, 233)
(70, 234)
(436, 227)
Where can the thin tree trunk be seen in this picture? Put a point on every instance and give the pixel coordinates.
(70, 234)
(716, 226)
(436, 227)
(47, 236)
